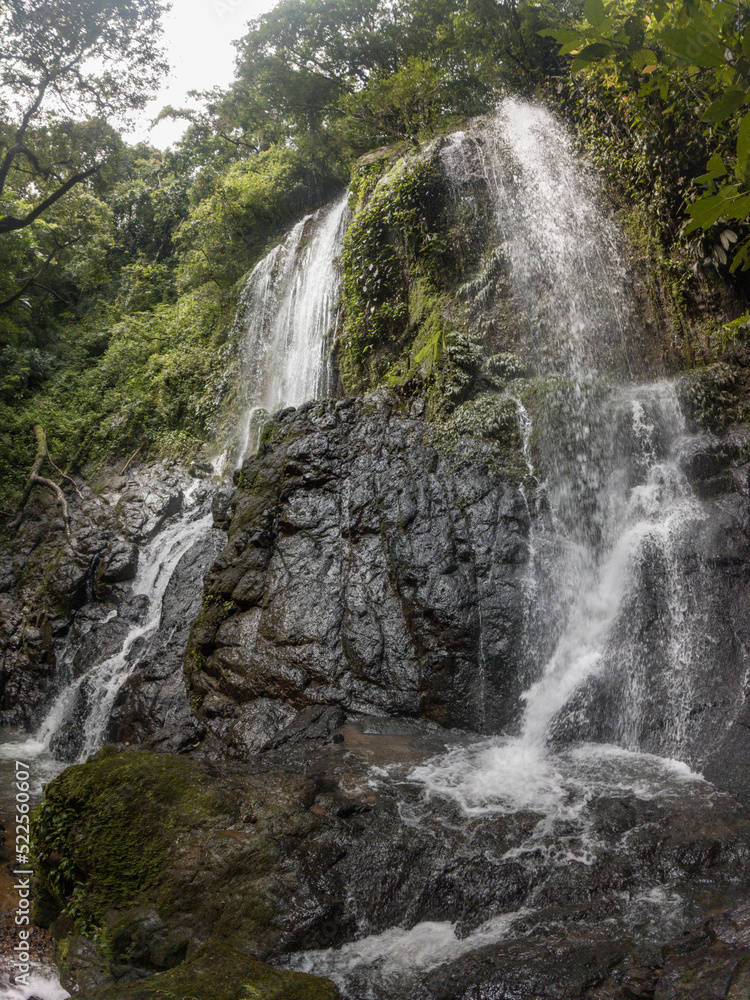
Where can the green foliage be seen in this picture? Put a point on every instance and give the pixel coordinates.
(66, 67)
(408, 104)
(392, 243)
(228, 230)
(490, 419)
(710, 398)
(684, 59)
(504, 367)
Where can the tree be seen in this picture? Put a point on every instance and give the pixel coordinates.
(645, 50)
(62, 62)
(401, 105)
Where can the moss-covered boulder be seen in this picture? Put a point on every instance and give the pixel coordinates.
(152, 865)
(220, 974)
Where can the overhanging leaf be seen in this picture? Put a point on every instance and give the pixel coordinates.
(695, 46)
(743, 149)
(591, 53)
(593, 11)
(726, 106)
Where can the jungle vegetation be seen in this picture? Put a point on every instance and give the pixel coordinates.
(120, 264)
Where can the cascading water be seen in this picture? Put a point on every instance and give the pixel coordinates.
(609, 457)
(285, 316)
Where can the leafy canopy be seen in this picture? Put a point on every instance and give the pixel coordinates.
(644, 47)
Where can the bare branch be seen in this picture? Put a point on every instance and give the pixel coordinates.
(42, 453)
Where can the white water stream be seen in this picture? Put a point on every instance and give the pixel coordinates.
(617, 499)
(287, 314)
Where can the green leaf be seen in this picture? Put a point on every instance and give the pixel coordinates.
(562, 35)
(726, 106)
(715, 169)
(706, 211)
(593, 11)
(742, 257)
(696, 46)
(588, 55)
(643, 58)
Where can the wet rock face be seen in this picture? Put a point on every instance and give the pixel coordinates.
(64, 606)
(363, 570)
(314, 844)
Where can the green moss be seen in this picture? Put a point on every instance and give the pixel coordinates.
(368, 170)
(104, 832)
(489, 419)
(221, 973)
(710, 398)
(144, 852)
(390, 259)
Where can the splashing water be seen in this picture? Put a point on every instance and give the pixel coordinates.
(567, 280)
(287, 312)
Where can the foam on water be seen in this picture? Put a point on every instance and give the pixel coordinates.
(43, 985)
(505, 776)
(401, 954)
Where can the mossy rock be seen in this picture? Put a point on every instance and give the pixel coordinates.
(105, 830)
(393, 244)
(489, 420)
(710, 398)
(221, 973)
(159, 868)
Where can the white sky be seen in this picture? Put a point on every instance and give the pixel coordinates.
(198, 36)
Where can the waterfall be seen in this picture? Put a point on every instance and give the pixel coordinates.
(287, 316)
(284, 323)
(568, 283)
(607, 453)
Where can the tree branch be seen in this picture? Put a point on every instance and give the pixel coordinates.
(9, 223)
(42, 453)
(21, 131)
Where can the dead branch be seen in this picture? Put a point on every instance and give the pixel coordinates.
(64, 475)
(42, 453)
(125, 467)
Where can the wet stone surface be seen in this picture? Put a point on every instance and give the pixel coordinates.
(332, 854)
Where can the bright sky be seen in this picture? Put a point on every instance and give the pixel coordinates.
(198, 35)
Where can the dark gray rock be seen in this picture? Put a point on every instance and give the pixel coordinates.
(364, 570)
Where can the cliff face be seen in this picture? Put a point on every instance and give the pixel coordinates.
(365, 570)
